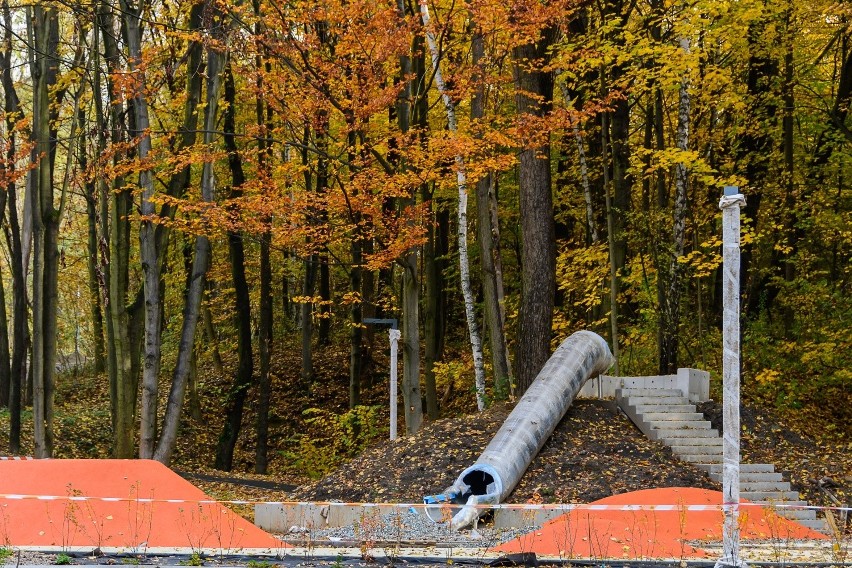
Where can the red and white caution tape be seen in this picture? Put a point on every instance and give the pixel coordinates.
(523, 507)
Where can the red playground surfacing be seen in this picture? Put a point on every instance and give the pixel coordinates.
(129, 505)
(643, 534)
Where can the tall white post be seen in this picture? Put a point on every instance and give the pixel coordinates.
(730, 206)
(394, 335)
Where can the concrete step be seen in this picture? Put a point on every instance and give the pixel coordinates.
(643, 409)
(660, 434)
(652, 416)
(667, 416)
(797, 514)
(819, 525)
(715, 443)
(777, 505)
(779, 496)
(693, 449)
(664, 400)
(764, 486)
(746, 467)
(679, 424)
(626, 392)
(702, 459)
(751, 477)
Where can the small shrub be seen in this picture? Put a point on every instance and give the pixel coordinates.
(194, 560)
(335, 437)
(5, 552)
(62, 559)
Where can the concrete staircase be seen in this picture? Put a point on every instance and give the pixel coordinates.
(668, 416)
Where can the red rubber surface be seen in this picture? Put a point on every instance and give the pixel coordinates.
(126, 524)
(651, 534)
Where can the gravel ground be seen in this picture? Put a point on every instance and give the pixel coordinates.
(408, 527)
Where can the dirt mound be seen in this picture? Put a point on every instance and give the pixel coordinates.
(594, 452)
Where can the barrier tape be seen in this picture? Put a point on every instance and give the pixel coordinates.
(511, 506)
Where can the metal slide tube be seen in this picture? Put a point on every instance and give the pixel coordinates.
(500, 467)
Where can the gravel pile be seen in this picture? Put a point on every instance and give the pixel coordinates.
(407, 526)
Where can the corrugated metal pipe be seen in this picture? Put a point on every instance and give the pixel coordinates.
(499, 469)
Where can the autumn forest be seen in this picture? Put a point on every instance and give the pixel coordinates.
(192, 187)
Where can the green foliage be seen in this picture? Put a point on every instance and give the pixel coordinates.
(62, 559)
(194, 560)
(5, 552)
(803, 360)
(259, 564)
(336, 437)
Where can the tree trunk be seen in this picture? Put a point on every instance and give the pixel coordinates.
(45, 25)
(610, 237)
(434, 325)
(356, 333)
(5, 359)
(245, 363)
(534, 96)
(308, 285)
(790, 206)
(489, 245)
(411, 344)
(324, 331)
(171, 419)
(264, 155)
(754, 148)
(20, 329)
(461, 182)
(306, 318)
(116, 207)
(147, 239)
(265, 356)
(669, 347)
(91, 197)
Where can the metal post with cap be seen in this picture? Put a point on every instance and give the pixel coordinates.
(730, 205)
(394, 335)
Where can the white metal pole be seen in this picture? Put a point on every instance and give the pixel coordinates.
(394, 335)
(730, 206)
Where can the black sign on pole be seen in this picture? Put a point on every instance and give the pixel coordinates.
(392, 322)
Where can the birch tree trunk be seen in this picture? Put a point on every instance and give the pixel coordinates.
(584, 171)
(461, 181)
